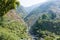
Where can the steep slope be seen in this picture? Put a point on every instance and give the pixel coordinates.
(46, 29)
(49, 29)
(22, 12)
(14, 27)
(51, 7)
(34, 15)
(29, 9)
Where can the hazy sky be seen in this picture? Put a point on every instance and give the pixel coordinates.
(27, 3)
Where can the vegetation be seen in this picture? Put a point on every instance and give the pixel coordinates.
(10, 28)
(13, 29)
(5, 6)
(46, 28)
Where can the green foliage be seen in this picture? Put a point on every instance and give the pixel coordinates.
(47, 29)
(5, 6)
(58, 38)
(51, 14)
(13, 30)
(6, 34)
(44, 16)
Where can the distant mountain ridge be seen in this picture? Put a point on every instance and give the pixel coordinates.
(29, 9)
(24, 11)
(52, 6)
(21, 10)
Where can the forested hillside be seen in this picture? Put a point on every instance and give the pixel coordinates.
(52, 8)
(45, 21)
(36, 22)
(48, 29)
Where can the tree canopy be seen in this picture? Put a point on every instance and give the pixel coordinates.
(6, 5)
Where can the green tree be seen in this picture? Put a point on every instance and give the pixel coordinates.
(58, 38)
(5, 6)
(44, 16)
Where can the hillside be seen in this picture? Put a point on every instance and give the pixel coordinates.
(29, 9)
(22, 12)
(46, 29)
(50, 8)
(14, 27)
(44, 21)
